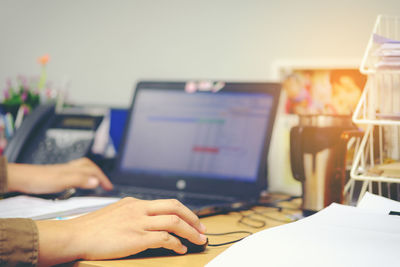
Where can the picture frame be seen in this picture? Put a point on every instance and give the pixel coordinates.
(320, 88)
(279, 173)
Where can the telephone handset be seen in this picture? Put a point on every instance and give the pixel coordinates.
(47, 137)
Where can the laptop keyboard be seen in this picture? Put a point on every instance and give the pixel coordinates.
(189, 199)
(201, 204)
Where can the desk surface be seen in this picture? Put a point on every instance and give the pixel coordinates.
(215, 224)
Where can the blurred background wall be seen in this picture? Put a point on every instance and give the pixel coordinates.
(100, 48)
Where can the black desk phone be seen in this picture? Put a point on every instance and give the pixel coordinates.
(48, 137)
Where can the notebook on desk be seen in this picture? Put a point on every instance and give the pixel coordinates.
(205, 144)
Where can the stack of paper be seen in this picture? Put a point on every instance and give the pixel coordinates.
(336, 236)
(388, 52)
(38, 208)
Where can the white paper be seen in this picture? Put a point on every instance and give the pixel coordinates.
(336, 236)
(378, 204)
(38, 208)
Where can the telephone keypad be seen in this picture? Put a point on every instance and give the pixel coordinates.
(62, 145)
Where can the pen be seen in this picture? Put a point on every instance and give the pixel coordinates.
(67, 194)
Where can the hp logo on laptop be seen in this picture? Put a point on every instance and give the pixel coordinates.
(181, 184)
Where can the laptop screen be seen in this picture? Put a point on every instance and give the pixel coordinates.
(198, 135)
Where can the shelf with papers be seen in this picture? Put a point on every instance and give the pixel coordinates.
(378, 112)
(383, 50)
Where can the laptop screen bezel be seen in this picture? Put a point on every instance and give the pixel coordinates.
(232, 187)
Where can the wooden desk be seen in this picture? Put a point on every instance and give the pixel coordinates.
(214, 224)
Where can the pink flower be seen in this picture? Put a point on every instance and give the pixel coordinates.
(24, 96)
(6, 94)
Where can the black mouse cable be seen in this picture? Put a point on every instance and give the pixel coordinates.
(265, 215)
(250, 218)
(228, 233)
(249, 221)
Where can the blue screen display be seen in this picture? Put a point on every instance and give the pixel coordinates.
(219, 135)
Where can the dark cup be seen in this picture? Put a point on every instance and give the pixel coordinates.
(318, 147)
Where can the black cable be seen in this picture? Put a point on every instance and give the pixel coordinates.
(256, 223)
(262, 223)
(228, 233)
(249, 217)
(262, 214)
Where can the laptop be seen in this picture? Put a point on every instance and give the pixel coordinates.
(203, 143)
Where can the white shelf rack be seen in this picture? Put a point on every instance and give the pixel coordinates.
(378, 110)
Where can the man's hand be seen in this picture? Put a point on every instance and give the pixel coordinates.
(45, 179)
(124, 228)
